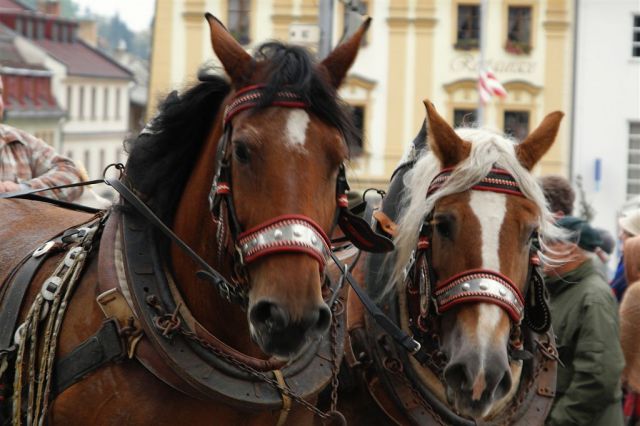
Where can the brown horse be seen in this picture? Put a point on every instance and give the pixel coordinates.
(465, 282)
(272, 142)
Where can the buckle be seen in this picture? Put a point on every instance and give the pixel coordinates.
(43, 249)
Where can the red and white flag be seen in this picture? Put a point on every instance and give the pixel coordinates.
(489, 86)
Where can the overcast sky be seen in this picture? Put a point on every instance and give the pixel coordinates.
(136, 13)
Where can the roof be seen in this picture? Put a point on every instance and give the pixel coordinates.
(10, 57)
(13, 5)
(83, 60)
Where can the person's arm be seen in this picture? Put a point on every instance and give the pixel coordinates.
(52, 169)
(597, 364)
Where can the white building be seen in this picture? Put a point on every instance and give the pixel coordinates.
(606, 134)
(91, 87)
(415, 49)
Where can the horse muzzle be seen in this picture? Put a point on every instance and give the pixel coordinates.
(273, 329)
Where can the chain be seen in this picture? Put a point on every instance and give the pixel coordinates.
(334, 356)
(252, 371)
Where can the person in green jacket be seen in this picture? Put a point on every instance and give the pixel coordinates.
(584, 315)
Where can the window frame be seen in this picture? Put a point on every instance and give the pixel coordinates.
(249, 6)
(457, 45)
(516, 109)
(533, 28)
(632, 166)
(635, 30)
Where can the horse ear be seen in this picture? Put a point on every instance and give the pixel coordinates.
(443, 140)
(342, 57)
(539, 141)
(235, 60)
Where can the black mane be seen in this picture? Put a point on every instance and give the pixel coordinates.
(161, 161)
(294, 68)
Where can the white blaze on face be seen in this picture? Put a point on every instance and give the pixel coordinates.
(296, 131)
(490, 208)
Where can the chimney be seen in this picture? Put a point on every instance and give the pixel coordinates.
(49, 7)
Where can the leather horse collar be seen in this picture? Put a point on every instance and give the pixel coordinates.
(286, 233)
(194, 363)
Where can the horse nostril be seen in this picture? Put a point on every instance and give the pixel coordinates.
(269, 314)
(324, 319)
(457, 377)
(504, 386)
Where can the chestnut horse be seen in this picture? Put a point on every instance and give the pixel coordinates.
(465, 282)
(272, 141)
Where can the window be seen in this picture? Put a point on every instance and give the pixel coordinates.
(69, 97)
(103, 160)
(519, 30)
(54, 32)
(29, 29)
(516, 124)
(19, 26)
(87, 160)
(105, 106)
(64, 34)
(239, 20)
(468, 27)
(464, 117)
(93, 103)
(633, 169)
(358, 113)
(117, 104)
(81, 104)
(636, 37)
(40, 30)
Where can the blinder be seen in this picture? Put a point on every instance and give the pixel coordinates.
(430, 297)
(287, 233)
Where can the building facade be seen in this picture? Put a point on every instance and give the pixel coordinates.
(606, 149)
(415, 49)
(88, 85)
(28, 97)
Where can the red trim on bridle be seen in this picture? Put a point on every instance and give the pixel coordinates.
(250, 97)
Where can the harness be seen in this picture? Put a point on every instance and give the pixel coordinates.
(403, 384)
(287, 233)
(435, 297)
(146, 320)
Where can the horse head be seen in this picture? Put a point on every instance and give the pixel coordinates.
(275, 156)
(479, 219)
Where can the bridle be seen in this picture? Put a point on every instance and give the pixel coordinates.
(281, 234)
(431, 297)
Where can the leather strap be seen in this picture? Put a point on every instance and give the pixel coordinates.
(103, 347)
(403, 339)
(207, 271)
(16, 289)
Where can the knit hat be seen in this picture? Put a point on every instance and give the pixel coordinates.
(588, 238)
(630, 223)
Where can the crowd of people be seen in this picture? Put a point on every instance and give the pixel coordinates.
(596, 320)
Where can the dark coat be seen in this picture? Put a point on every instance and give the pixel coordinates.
(584, 315)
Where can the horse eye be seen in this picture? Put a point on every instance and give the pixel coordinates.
(241, 152)
(444, 228)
